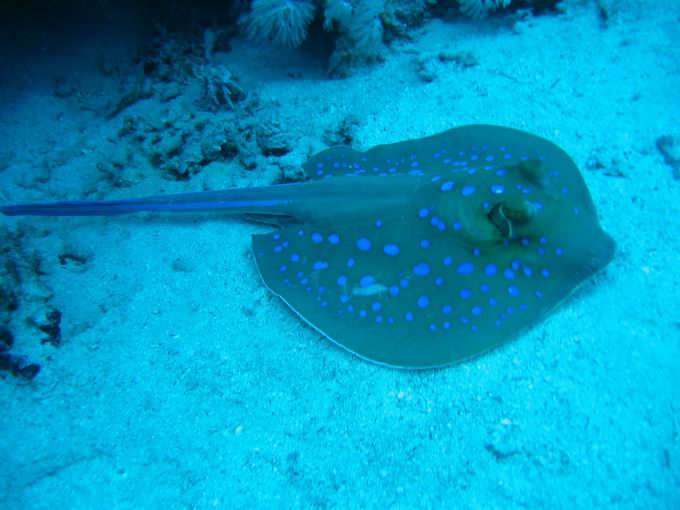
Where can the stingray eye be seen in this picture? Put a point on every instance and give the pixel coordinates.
(511, 211)
(503, 224)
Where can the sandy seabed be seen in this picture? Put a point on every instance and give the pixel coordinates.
(180, 382)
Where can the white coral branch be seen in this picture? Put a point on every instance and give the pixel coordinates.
(480, 8)
(279, 21)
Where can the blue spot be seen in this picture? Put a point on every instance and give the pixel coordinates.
(390, 320)
(350, 308)
(394, 290)
(350, 262)
(362, 313)
(424, 243)
(421, 269)
(476, 310)
(510, 310)
(489, 158)
(423, 301)
(320, 264)
(501, 172)
(364, 244)
(278, 248)
(513, 291)
(304, 281)
(467, 191)
(432, 327)
(457, 225)
(464, 319)
(391, 249)
(342, 280)
(485, 287)
(283, 268)
(276, 237)
(366, 281)
(447, 325)
(559, 251)
(378, 223)
(497, 189)
(545, 272)
(439, 281)
(543, 240)
(476, 252)
(492, 301)
(446, 309)
(294, 257)
(515, 265)
(316, 237)
(408, 316)
(376, 306)
(465, 268)
(403, 282)
(490, 270)
(447, 186)
(423, 212)
(527, 271)
(522, 307)
(378, 319)
(447, 261)
(525, 241)
(333, 239)
(344, 298)
(539, 294)
(509, 274)
(465, 293)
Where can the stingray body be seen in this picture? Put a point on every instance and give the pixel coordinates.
(415, 254)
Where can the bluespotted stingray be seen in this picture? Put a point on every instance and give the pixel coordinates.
(415, 254)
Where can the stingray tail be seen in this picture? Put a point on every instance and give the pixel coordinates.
(252, 200)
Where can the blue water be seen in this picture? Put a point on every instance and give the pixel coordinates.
(144, 363)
